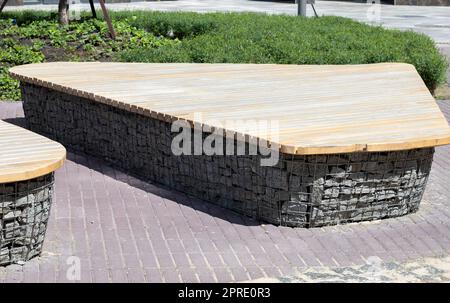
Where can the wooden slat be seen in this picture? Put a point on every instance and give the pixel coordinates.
(25, 155)
(320, 109)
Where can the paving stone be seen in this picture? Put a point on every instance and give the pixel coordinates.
(79, 167)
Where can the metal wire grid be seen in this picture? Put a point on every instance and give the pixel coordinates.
(355, 195)
(340, 188)
(24, 212)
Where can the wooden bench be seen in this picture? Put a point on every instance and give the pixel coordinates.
(27, 163)
(355, 141)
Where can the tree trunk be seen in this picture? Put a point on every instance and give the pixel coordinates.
(63, 12)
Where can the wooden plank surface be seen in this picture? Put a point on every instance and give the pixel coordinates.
(25, 155)
(320, 109)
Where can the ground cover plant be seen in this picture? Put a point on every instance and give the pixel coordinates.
(27, 37)
(40, 38)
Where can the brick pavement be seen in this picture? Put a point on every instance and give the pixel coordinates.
(165, 236)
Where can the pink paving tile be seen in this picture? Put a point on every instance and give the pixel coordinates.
(130, 230)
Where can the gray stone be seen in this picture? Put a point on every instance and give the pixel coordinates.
(28, 199)
(11, 214)
(338, 172)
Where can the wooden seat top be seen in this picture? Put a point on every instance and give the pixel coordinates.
(25, 155)
(320, 109)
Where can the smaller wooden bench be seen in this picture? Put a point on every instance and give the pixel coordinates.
(27, 165)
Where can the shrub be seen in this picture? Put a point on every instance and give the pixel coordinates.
(145, 36)
(256, 38)
(175, 25)
(27, 16)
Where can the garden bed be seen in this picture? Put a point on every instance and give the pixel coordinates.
(27, 37)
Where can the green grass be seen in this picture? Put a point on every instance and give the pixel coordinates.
(40, 38)
(246, 38)
(251, 38)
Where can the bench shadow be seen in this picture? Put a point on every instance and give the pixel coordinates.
(21, 122)
(105, 168)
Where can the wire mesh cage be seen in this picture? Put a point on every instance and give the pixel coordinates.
(24, 212)
(339, 188)
(300, 190)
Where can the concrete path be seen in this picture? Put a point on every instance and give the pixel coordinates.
(433, 21)
(375, 271)
(118, 228)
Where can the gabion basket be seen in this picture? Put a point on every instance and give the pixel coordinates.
(351, 187)
(24, 213)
